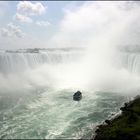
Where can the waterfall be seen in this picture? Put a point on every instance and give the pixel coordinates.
(131, 62)
(68, 68)
(19, 61)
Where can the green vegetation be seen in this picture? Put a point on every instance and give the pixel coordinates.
(124, 127)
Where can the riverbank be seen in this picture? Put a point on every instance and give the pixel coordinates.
(123, 127)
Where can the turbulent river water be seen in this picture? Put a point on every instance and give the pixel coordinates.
(36, 90)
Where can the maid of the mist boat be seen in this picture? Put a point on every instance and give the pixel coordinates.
(77, 96)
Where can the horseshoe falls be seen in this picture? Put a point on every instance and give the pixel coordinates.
(51, 50)
(36, 99)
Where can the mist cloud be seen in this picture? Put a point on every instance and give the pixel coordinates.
(112, 20)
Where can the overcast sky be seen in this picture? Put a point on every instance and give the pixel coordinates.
(40, 24)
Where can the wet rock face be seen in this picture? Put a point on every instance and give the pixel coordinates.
(126, 126)
(108, 122)
(77, 96)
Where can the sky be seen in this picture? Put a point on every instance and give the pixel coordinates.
(43, 24)
(27, 24)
